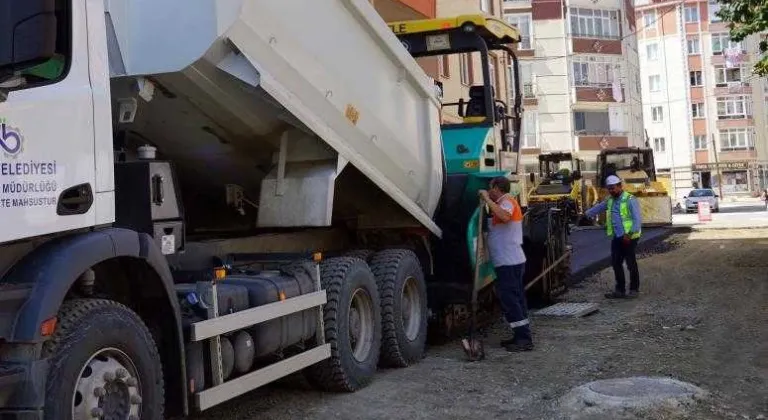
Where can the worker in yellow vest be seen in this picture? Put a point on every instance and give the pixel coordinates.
(623, 225)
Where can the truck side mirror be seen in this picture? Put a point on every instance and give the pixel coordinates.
(28, 34)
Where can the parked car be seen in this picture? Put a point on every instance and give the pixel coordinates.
(702, 195)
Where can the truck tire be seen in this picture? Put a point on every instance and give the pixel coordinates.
(363, 254)
(352, 321)
(403, 292)
(103, 364)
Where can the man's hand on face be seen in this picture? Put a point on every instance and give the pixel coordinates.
(483, 194)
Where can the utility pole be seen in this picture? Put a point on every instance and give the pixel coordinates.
(717, 167)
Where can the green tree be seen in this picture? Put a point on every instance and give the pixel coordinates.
(747, 17)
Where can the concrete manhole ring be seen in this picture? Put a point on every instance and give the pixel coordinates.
(630, 393)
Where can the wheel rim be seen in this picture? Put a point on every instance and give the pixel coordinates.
(108, 387)
(411, 309)
(361, 325)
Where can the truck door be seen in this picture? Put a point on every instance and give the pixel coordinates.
(46, 120)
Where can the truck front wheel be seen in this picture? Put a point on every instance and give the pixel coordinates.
(103, 364)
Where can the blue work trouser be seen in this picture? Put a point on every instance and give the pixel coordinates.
(511, 291)
(621, 253)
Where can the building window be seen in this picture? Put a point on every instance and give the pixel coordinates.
(594, 23)
(485, 6)
(736, 139)
(725, 76)
(694, 46)
(526, 80)
(733, 108)
(465, 69)
(530, 138)
(692, 13)
(654, 83)
(700, 142)
(722, 41)
(598, 71)
(657, 114)
(659, 144)
(523, 24)
(697, 110)
(652, 51)
(696, 78)
(591, 122)
(714, 7)
(444, 66)
(649, 19)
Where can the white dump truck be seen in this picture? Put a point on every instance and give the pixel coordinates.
(201, 197)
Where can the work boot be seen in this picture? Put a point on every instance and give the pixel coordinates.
(519, 346)
(615, 295)
(507, 341)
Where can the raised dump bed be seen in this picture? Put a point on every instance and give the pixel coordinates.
(273, 99)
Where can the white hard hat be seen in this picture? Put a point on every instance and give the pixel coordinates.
(612, 180)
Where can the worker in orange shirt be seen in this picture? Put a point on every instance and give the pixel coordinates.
(505, 243)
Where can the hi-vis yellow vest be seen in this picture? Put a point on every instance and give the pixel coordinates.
(626, 218)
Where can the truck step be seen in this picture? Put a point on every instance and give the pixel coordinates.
(236, 387)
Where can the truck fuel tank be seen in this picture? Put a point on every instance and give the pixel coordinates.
(272, 286)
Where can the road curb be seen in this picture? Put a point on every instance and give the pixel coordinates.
(591, 269)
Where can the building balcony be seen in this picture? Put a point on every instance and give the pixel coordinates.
(737, 155)
(718, 58)
(516, 4)
(395, 10)
(739, 122)
(591, 45)
(596, 93)
(599, 141)
(733, 88)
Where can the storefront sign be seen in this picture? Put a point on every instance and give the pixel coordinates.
(723, 166)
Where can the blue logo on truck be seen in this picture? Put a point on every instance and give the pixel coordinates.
(10, 139)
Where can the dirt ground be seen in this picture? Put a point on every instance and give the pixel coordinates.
(702, 318)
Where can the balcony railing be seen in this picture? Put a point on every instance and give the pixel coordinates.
(591, 132)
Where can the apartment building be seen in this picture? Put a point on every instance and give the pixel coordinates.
(705, 112)
(581, 81)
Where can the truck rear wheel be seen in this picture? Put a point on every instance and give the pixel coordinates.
(363, 254)
(352, 321)
(403, 306)
(103, 364)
